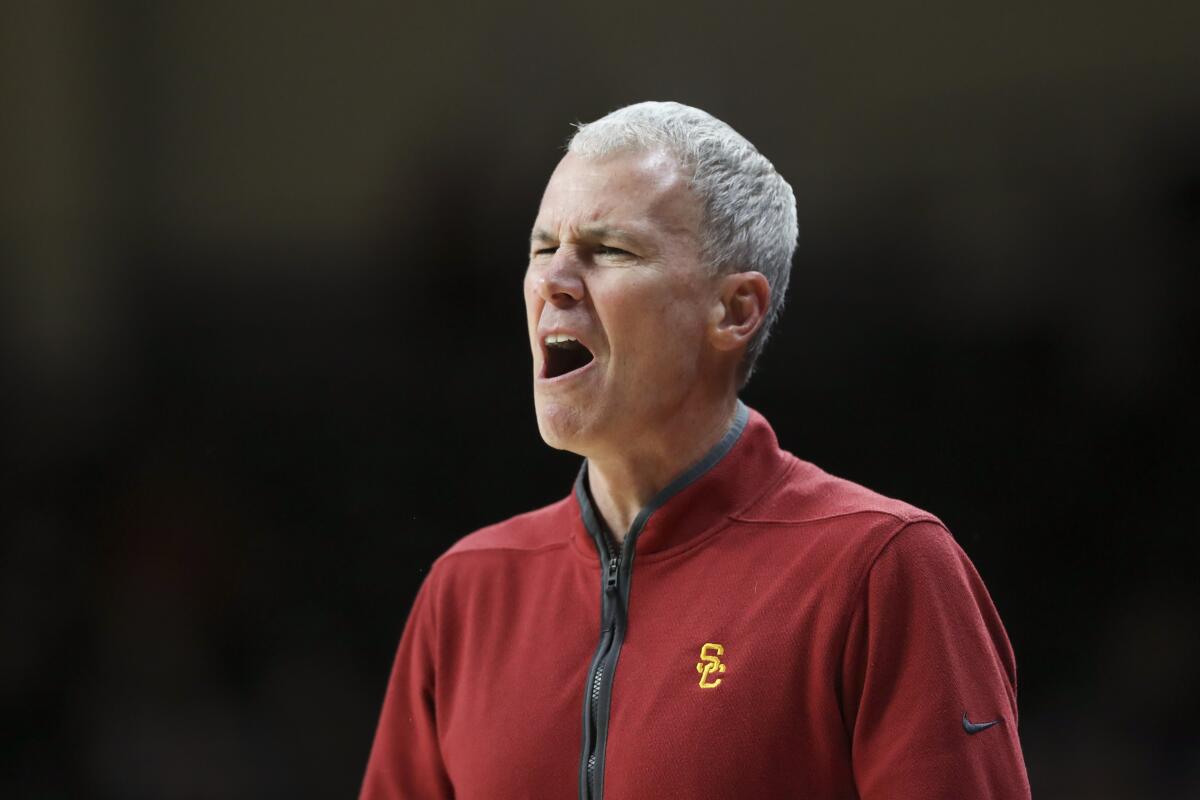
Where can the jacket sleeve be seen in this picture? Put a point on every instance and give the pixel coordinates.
(926, 662)
(406, 760)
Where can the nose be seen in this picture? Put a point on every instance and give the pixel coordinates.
(559, 282)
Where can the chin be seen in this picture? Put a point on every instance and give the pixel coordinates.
(562, 426)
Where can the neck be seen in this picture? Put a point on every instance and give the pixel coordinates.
(623, 483)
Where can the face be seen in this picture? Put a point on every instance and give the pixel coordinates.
(615, 266)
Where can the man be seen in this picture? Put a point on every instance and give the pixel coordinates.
(705, 615)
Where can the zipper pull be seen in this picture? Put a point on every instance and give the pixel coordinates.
(611, 584)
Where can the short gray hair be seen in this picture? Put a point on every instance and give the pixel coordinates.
(749, 209)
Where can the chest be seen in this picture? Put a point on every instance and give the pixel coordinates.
(727, 684)
(724, 684)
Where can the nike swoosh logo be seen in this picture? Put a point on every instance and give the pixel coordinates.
(976, 727)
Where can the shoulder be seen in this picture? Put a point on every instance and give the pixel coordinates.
(540, 529)
(846, 523)
(496, 563)
(810, 494)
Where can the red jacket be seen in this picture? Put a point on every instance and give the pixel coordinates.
(768, 630)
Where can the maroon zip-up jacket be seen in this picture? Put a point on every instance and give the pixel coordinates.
(766, 630)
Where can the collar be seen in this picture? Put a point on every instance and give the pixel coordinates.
(731, 476)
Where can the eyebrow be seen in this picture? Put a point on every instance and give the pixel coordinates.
(593, 232)
(540, 235)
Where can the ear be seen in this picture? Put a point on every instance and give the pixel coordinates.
(739, 309)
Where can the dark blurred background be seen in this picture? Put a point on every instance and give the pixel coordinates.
(264, 356)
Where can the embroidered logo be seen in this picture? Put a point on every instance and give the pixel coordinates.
(710, 664)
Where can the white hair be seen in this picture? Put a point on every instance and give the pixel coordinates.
(749, 218)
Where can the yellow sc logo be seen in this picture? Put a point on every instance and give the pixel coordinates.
(710, 664)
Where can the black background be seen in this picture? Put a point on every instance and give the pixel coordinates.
(264, 353)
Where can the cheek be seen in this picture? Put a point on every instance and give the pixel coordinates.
(533, 300)
(655, 333)
(533, 312)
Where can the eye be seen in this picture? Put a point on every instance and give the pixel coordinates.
(545, 251)
(605, 250)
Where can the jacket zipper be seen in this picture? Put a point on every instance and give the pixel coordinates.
(614, 601)
(600, 677)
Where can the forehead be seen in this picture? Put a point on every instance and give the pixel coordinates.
(644, 192)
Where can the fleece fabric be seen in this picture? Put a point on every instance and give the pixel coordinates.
(790, 634)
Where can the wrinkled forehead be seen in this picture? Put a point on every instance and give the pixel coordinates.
(627, 189)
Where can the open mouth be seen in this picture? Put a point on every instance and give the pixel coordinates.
(564, 355)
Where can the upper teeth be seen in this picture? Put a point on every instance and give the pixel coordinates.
(559, 338)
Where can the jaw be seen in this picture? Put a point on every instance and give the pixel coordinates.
(563, 425)
(572, 409)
